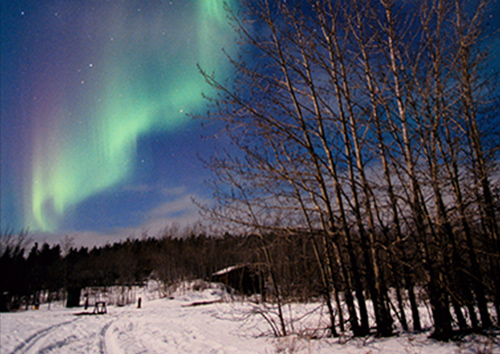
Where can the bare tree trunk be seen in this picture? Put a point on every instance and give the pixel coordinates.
(321, 260)
(375, 102)
(441, 314)
(364, 328)
(468, 32)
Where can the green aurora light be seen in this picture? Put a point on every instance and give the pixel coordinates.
(141, 77)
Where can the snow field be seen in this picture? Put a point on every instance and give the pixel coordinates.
(203, 321)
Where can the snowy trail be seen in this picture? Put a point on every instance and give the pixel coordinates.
(168, 327)
(32, 342)
(161, 326)
(80, 334)
(175, 326)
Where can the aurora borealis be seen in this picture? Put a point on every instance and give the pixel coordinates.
(95, 103)
(82, 84)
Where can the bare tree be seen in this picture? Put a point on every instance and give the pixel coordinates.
(349, 123)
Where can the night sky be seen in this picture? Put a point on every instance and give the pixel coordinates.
(96, 138)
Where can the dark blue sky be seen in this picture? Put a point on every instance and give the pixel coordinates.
(96, 97)
(96, 141)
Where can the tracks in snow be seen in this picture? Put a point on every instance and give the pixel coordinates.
(107, 343)
(35, 338)
(166, 327)
(87, 334)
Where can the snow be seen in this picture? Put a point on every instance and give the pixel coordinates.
(198, 318)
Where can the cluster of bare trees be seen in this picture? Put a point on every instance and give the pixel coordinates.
(369, 130)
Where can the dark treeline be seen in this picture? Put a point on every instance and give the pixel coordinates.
(28, 272)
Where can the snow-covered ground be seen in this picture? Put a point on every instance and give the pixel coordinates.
(197, 321)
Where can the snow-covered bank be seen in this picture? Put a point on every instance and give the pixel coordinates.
(195, 322)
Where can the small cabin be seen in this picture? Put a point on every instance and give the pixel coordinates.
(247, 279)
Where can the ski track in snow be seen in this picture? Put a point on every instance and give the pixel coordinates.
(32, 341)
(167, 326)
(83, 334)
(173, 326)
(103, 346)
